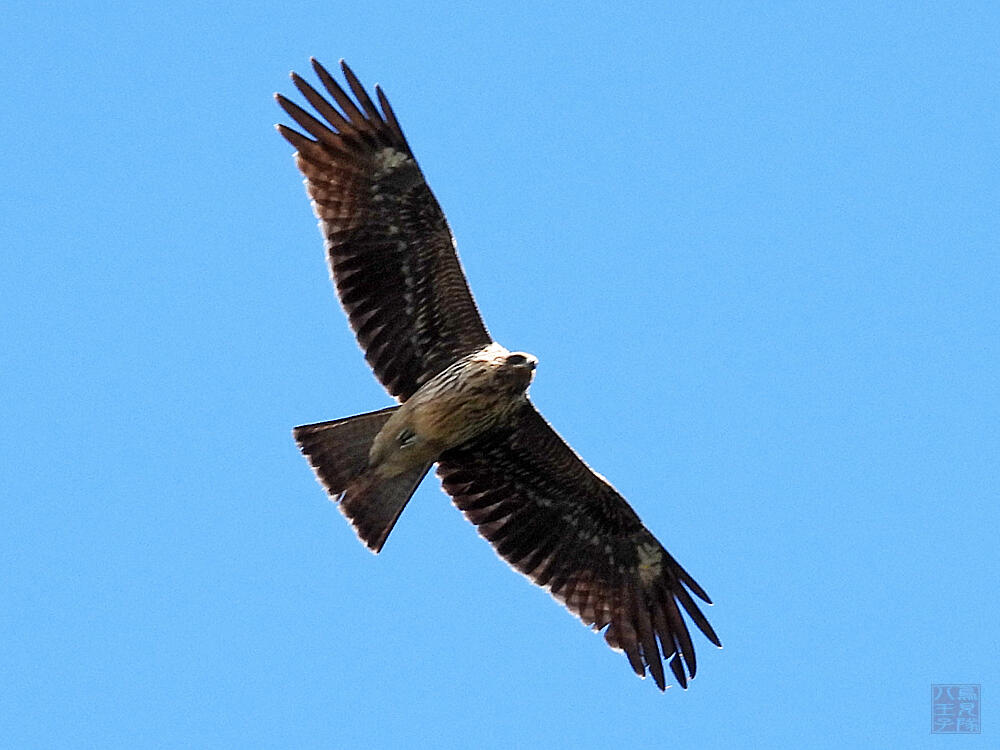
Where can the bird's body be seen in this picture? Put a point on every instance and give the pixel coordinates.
(463, 398)
(475, 394)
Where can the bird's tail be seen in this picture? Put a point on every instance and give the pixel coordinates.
(338, 453)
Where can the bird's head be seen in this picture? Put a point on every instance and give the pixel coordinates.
(520, 366)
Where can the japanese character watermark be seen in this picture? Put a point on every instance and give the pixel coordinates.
(956, 709)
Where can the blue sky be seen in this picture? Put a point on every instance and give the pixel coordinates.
(755, 250)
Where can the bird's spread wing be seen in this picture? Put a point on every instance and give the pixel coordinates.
(391, 253)
(562, 525)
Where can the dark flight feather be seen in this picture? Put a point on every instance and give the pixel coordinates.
(389, 247)
(566, 528)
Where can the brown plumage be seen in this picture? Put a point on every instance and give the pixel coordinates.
(463, 397)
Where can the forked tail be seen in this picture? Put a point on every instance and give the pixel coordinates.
(338, 453)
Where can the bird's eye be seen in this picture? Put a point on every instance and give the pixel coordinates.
(516, 359)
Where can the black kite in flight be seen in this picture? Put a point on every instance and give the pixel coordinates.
(463, 397)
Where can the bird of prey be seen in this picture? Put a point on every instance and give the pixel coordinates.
(463, 400)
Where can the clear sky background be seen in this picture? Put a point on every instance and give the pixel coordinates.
(755, 250)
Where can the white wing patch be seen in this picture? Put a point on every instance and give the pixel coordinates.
(387, 160)
(650, 562)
